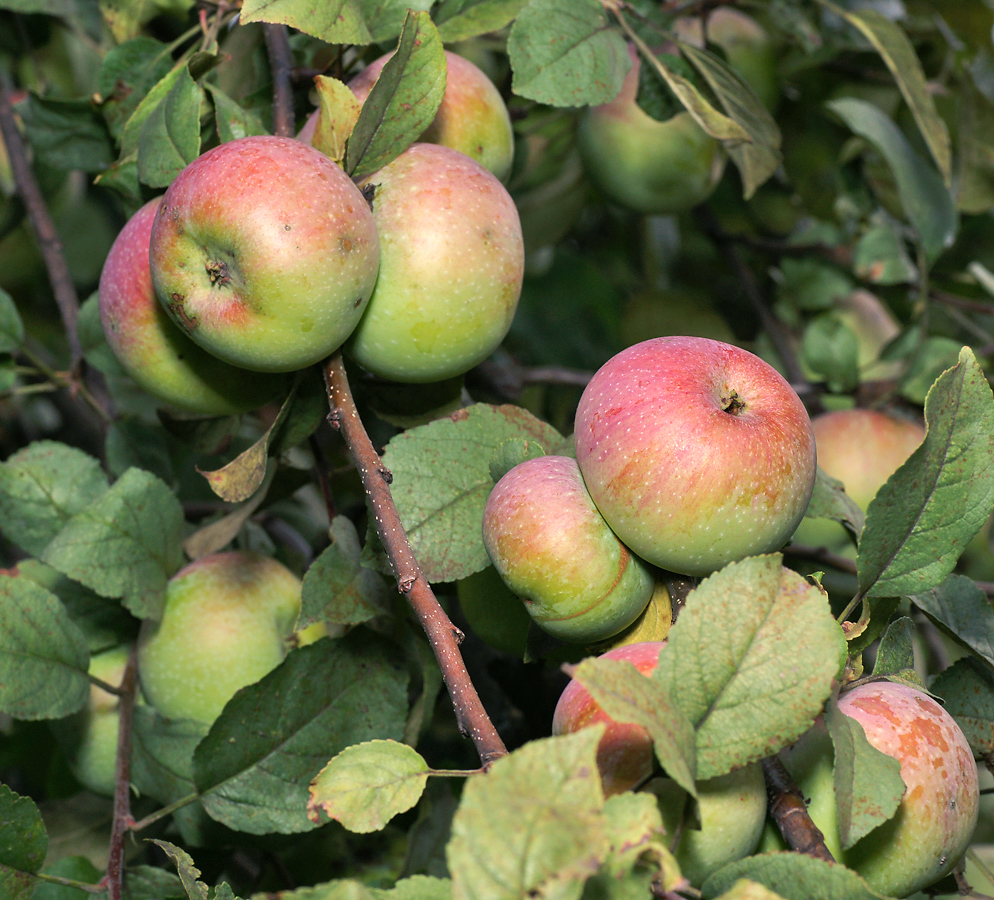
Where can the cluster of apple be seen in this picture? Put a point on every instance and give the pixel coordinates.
(264, 255)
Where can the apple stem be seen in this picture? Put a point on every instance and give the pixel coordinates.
(790, 812)
(122, 820)
(442, 634)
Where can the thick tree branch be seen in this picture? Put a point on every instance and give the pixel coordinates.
(122, 779)
(442, 634)
(790, 812)
(281, 67)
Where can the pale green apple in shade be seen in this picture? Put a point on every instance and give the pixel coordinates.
(155, 353)
(472, 117)
(861, 448)
(228, 620)
(451, 267)
(696, 452)
(264, 253)
(554, 550)
(643, 164)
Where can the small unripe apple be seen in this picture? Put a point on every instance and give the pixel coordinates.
(554, 550)
(156, 354)
(452, 263)
(265, 253)
(228, 619)
(861, 448)
(643, 164)
(697, 453)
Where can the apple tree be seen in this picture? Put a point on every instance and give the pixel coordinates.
(363, 363)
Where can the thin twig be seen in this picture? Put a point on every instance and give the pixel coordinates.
(280, 65)
(790, 812)
(122, 779)
(442, 634)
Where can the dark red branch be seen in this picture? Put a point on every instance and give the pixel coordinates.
(281, 67)
(122, 780)
(790, 812)
(442, 634)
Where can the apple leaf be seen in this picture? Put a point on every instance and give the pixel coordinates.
(131, 132)
(626, 695)
(532, 825)
(67, 134)
(441, 481)
(127, 73)
(332, 21)
(868, 784)
(510, 454)
(563, 53)
(975, 176)
(926, 201)
(43, 654)
(189, 875)
(126, 544)
(743, 889)
(831, 350)
(366, 785)
(23, 845)
(962, 608)
(896, 651)
(233, 121)
(750, 661)
(829, 500)
(11, 326)
(337, 588)
(338, 110)
(162, 754)
(170, 137)
(967, 686)
(41, 488)
(474, 19)
(273, 737)
(793, 876)
(403, 100)
(922, 518)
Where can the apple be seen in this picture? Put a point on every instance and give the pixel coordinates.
(156, 354)
(732, 806)
(645, 165)
(265, 253)
(696, 452)
(228, 619)
(452, 263)
(472, 117)
(553, 549)
(861, 448)
(935, 821)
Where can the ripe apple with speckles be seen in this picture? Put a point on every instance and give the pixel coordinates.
(696, 452)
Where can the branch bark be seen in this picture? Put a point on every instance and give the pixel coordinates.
(280, 65)
(442, 634)
(122, 780)
(790, 812)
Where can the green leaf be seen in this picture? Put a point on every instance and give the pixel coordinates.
(934, 355)
(922, 518)
(403, 100)
(532, 826)
(126, 544)
(338, 111)
(925, 199)
(133, 442)
(337, 588)
(41, 488)
(162, 754)
(368, 784)
(831, 351)
(967, 686)
(127, 74)
(43, 654)
(896, 651)
(793, 876)
(963, 609)
(170, 137)
(626, 695)
(880, 256)
(11, 326)
(151, 883)
(563, 53)
(975, 184)
(512, 453)
(750, 661)
(332, 21)
(23, 845)
(896, 51)
(233, 120)
(638, 853)
(812, 285)
(830, 501)
(479, 18)
(67, 134)
(384, 18)
(253, 768)
(131, 132)
(189, 874)
(868, 784)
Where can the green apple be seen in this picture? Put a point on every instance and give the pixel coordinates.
(554, 550)
(645, 165)
(265, 253)
(228, 620)
(451, 267)
(153, 350)
(697, 453)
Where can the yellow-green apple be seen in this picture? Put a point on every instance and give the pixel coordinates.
(696, 452)
(265, 253)
(228, 620)
(643, 164)
(554, 550)
(862, 448)
(938, 813)
(451, 267)
(732, 806)
(472, 117)
(155, 353)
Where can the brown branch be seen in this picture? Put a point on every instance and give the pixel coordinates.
(122, 779)
(790, 812)
(46, 234)
(442, 634)
(281, 66)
